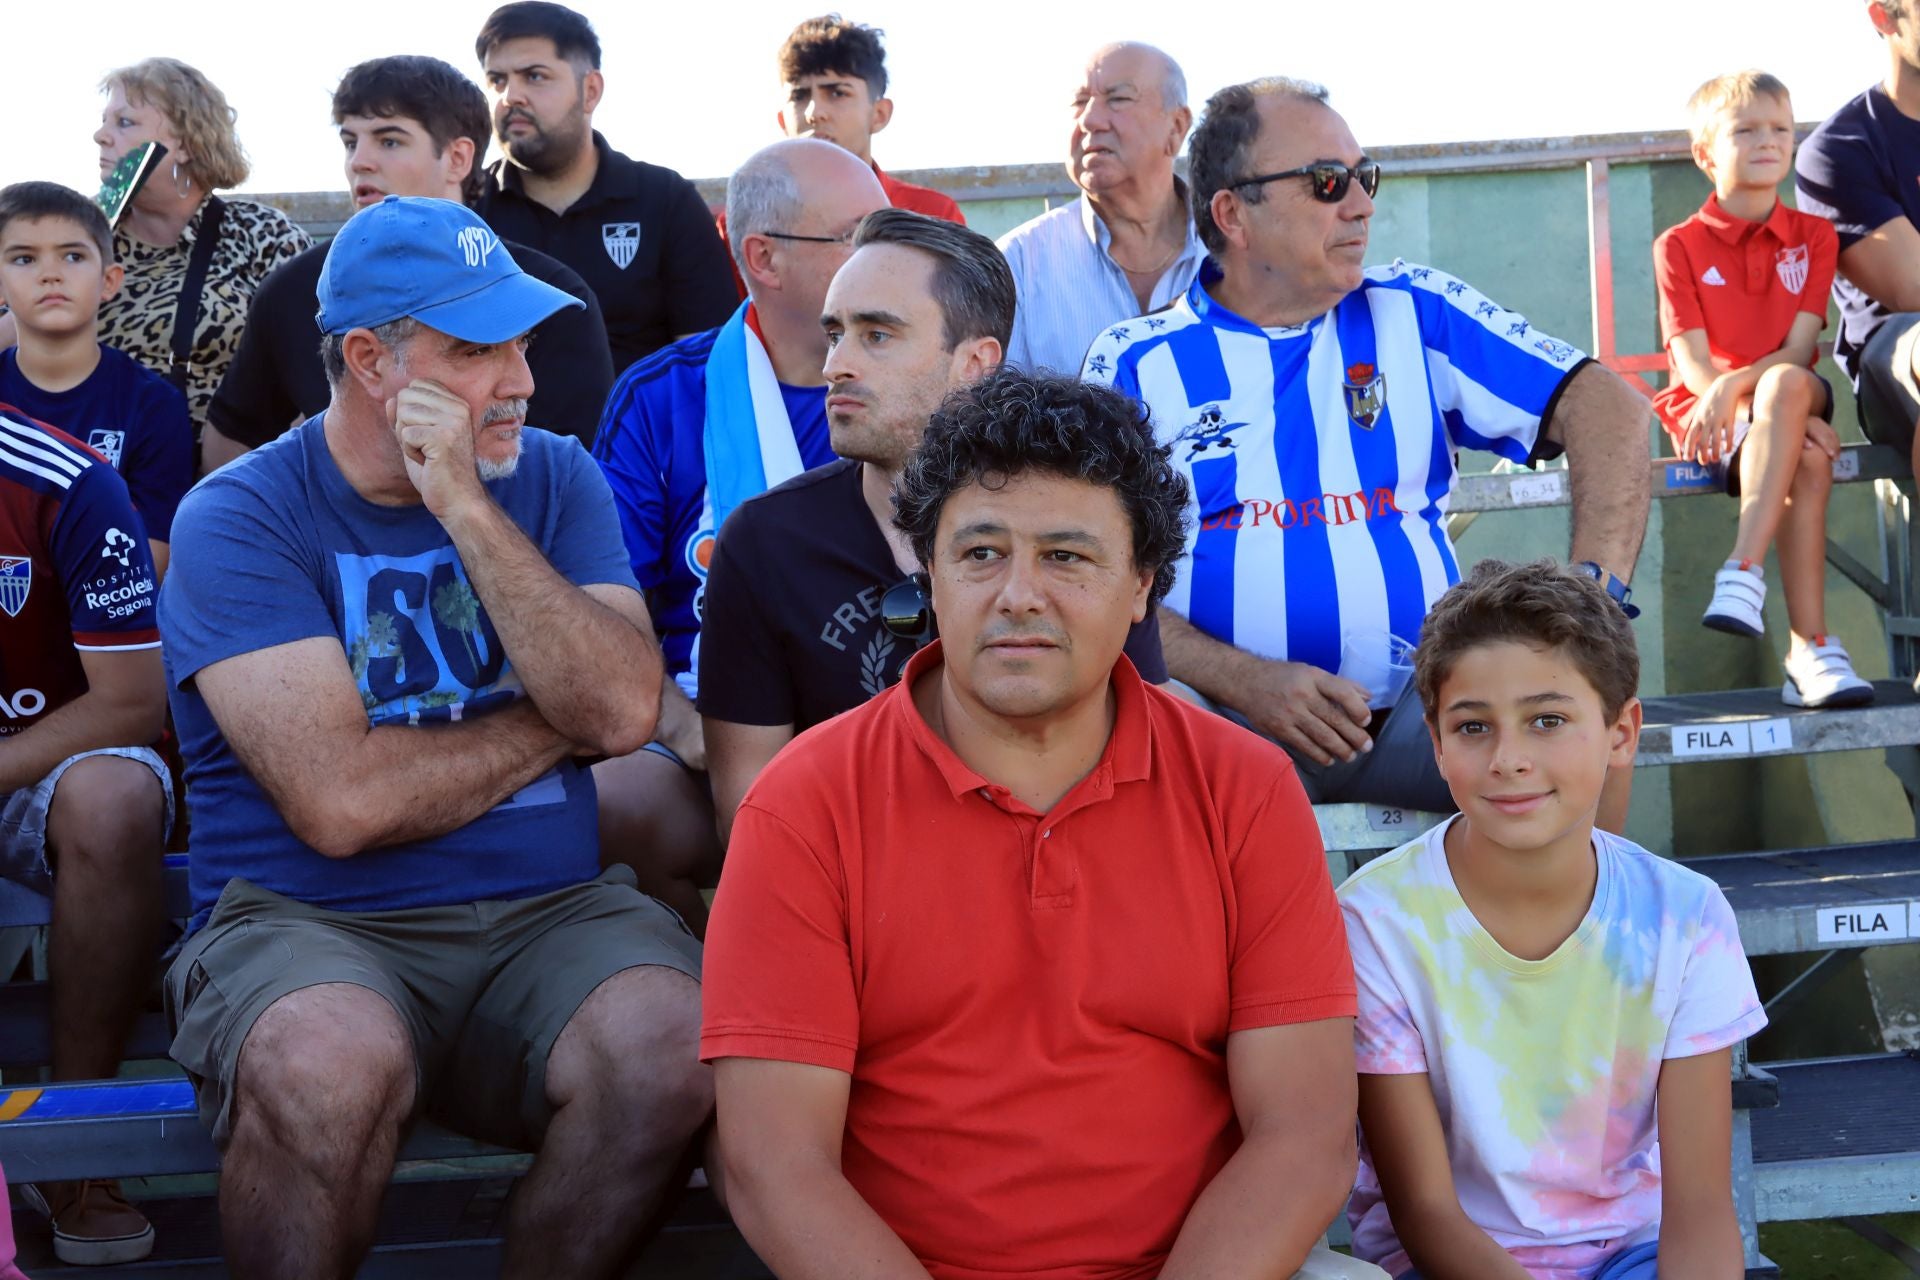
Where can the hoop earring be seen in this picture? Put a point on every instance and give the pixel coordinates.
(183, 189)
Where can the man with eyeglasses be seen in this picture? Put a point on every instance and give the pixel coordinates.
(1311, 562)
(814, 599)
(700, 426)
(1127, 244)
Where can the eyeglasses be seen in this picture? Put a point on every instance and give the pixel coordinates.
(1330, 180)
(843, 238)
(907, 610)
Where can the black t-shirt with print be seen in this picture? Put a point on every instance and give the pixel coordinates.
(791, 632)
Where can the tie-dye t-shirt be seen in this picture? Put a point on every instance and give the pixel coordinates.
(1544, 1071)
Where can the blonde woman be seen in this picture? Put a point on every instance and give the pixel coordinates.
(156, 317)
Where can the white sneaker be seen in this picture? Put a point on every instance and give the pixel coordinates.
(1819, 674)
(1739, 596)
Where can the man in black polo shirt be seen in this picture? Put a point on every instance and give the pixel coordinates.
(412, 126)
(640, 234)
(812, 606)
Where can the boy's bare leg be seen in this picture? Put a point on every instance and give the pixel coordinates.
(1770, 458)
(1802, 544)
(105, 829)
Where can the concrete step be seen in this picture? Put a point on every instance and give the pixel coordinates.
(1743, 723)
(1841, 896)
(1844, 1141)
(1671, 478)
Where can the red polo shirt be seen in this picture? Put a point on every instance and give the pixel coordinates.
(904, 195)
(1033, 1007)
(1743, 282)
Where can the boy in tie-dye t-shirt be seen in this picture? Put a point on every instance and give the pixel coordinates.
(1546, 1011)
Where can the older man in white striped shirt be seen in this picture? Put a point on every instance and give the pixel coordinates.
(1127, 245)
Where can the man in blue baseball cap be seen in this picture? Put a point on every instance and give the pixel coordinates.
(391, 637)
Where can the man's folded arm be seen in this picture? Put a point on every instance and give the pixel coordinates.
(294, 717)
(585, 655)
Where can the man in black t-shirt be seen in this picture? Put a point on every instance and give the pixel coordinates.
(638, 233)
(812, 605)
(412, 126)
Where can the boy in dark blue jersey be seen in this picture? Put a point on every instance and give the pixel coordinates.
(56, 268)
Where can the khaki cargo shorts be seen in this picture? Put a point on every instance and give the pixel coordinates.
(483, 988)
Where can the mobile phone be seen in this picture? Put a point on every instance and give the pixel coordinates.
(117, 192)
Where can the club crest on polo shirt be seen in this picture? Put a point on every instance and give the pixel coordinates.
(16, 580)
(622, 240)
(107, 444)
(1366, 389)
(1791, 266)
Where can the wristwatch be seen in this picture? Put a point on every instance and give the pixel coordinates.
(1614, 587)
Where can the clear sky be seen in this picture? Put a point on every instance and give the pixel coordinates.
(693, 86)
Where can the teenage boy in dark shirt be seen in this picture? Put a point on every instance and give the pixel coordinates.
(411, 126)
(812, 605)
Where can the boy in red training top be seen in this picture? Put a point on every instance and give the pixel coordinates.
(1743, 297)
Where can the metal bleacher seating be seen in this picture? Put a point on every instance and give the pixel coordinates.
(1822, 1138)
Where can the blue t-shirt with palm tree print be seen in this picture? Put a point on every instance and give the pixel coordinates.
(278, 547)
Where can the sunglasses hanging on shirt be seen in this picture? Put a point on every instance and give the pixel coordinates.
(906, 610)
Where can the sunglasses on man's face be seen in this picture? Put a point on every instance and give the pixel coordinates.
(1329, 180)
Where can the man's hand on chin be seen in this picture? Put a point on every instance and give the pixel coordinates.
(435, 431)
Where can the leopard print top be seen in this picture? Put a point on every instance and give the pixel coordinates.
(254, 239)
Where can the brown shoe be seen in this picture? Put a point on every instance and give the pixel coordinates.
(93, 1225)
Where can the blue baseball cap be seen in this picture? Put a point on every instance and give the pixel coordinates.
(437, 262)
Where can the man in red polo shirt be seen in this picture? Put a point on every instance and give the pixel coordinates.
(1026, 968)
(1743, 297)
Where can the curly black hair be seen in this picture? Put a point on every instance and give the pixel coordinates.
(1010, 423)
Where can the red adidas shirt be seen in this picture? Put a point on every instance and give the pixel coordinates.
(1034, 1008)
(1743, 282)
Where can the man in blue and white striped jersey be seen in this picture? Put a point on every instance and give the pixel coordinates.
(1317, 407)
